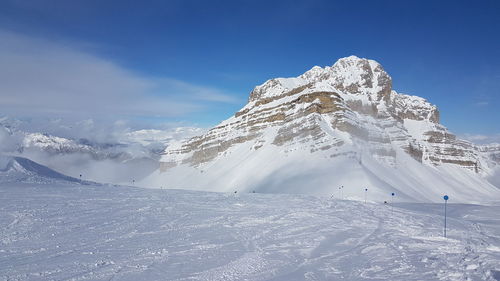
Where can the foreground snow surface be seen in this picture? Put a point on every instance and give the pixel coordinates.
(75, 232)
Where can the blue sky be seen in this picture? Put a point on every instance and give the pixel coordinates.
(195, 62)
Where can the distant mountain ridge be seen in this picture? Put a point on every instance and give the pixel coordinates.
(346, 117)
(127, 156)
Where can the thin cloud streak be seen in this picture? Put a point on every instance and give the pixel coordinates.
(481, 139)
(482, 103)
(39, 77)
(195, 92)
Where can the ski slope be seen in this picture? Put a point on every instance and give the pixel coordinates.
(272, 169)
(68, 231)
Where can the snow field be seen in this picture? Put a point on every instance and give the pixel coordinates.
(65, 231)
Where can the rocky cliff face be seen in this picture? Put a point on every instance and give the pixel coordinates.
(351, 101)
(492, 152)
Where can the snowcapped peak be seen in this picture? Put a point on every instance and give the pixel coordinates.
(276, 87)
(350, 59)
(316, 73)
(355, 64)
(349, 75)
(351, 66)
(357, 76)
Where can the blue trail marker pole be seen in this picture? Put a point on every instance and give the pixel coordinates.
(445, 200)
(366, 191)
(392, 203)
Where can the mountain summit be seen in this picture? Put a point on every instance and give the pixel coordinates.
(341, 125)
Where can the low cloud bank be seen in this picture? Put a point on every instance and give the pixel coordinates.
(112, 153)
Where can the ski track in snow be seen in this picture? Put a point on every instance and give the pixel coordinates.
(65, 231)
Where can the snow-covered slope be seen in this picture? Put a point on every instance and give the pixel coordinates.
(336, 126)
(74, 232)
(22, 170)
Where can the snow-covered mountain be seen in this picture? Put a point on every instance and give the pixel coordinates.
(22, 170)
(129, 156)
(330, 127)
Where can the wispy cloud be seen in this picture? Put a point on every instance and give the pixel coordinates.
(195, 92)
(40, 77)
(481, 139)
(482, 103)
